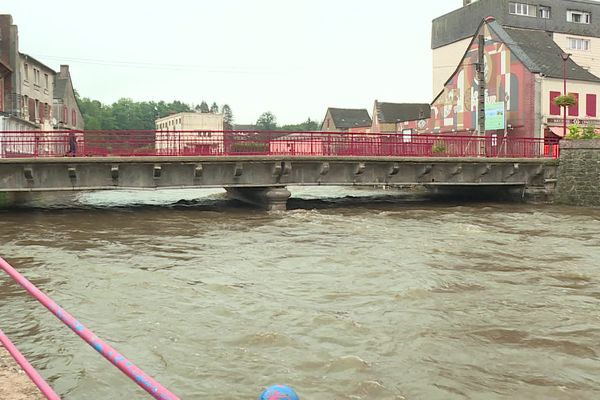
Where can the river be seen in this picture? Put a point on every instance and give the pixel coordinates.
(349, 295)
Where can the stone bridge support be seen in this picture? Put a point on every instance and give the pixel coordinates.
(268, 198)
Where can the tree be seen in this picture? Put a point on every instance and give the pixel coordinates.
(204, 107)
(306, 126)
(227, 117)
(214, 108)
(266, 122)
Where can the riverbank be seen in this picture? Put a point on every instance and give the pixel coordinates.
(14, 383)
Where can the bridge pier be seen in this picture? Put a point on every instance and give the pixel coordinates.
(269, 198)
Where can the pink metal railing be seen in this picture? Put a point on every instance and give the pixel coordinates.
(35, 377)
(127, 367)
(230, 143)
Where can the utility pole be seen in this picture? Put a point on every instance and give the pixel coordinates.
(481, 93)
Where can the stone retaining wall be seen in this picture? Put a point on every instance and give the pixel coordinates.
(579, 173)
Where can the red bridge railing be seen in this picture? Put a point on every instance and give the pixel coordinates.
(230, 143)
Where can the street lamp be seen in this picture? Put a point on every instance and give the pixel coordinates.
(565, 58)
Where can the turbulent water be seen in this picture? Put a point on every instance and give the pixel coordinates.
(349, 295)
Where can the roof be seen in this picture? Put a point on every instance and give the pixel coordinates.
(399, 112)
(540, 54)
(344, 118)
(27, 56)
(60, 88)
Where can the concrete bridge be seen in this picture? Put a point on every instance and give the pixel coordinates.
(262, 180)
(257, 167)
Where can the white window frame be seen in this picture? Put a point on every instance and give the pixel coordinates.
(545, 12)
(584, 17)
(407, 135)
(522, 9)
(578, 44)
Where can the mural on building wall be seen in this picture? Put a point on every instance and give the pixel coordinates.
(507, 80)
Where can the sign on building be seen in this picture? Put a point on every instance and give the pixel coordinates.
(494, 116)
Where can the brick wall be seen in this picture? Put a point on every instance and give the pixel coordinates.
(579, 173)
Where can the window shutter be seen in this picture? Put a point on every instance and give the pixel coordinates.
(574, 110)
(590, 105)
(554, 109)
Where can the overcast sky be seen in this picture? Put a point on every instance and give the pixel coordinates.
(293, 58)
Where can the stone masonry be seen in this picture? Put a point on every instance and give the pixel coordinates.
(579, 173)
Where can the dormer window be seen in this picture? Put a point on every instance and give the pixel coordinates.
(526, 10)
(579, 17)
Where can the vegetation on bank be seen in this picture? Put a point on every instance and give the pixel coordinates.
(127, 114)
(578, 132)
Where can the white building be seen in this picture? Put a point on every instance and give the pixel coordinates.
(190, 133)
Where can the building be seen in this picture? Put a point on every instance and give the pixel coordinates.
(523, 74)
(391, 117)
(28, 88)
(567, 22)
(36, 91)
(67, 114)
(200, 133)
(346, 120)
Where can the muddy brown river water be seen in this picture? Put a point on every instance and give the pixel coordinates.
(349, 295)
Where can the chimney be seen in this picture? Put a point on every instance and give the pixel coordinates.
(64, 71)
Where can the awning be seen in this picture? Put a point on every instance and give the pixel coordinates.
(558, 130)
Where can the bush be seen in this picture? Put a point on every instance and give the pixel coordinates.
(439, 147)
(588, 132)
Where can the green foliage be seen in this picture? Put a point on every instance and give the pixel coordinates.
(204, 107)
(249, 147)
(306, 126)
(565, 101)
(266, 122)
(227, 116)
(439, 147)
(214, 108)
(587, 132)
(126, 114)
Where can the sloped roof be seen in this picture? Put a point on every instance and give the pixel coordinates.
(400, 112)
(60, 88)
(540, 54)
(350, 118)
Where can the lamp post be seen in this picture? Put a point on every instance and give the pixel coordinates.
(565, 58)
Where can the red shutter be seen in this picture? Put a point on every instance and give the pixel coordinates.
(73, 118)
(41, 112)
(574, 110)
(554, 109)
(31, 110)
(590, 108)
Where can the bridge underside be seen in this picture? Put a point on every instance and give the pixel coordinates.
(262, 180)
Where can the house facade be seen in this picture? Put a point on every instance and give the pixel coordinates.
(200, 133)
(346, 120)
(572, 24)
(67, 114)
(36, 91)
(523, 73)
(393, 117)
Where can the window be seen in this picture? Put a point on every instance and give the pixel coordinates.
(73, 118)
(26, 71)
(579, 17)
(578, 44)
(544, 12)
(36, 77)
(522, 9)
(406, 135)
(65, 115)
(590, 105)
(554, 109)
(46, 80)
(574, 110)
